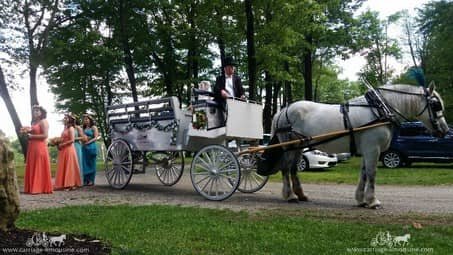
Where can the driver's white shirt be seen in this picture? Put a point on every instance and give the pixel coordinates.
(229, 85)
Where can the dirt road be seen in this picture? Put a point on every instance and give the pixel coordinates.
(145, 189)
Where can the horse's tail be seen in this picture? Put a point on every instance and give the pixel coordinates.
(275, 121)
(267, 162)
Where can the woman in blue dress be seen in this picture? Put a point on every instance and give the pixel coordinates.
(79, 139)
(89, 150)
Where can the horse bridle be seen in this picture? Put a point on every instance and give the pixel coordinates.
(433, 105)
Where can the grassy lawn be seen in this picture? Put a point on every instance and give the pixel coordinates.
(348, 172)
(179, 230)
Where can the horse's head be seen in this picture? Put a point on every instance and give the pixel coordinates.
(432, 114)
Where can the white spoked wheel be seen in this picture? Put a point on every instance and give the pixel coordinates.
(251, 181)
(215, 172)
(118, 164)
(169, 166)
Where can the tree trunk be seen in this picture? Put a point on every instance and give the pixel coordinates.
(9, 190)
(308, 71)
(276, 96)
(288, 96)
(267, 111)
(128, 60)
(33, 87)
(192, 53)
(251, 58)
(220, 41)
(12, 112)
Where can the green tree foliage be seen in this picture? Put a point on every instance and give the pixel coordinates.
(104, 52)
(436, 26)
(380, 47)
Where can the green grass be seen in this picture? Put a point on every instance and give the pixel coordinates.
(348, 173)
(179, 230)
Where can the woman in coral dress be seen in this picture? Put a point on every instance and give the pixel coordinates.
(68, 173)
(38, 178)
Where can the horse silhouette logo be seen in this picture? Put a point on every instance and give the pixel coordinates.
(57, 241)
(404, 239)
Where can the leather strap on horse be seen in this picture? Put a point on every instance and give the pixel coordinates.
(344, 108)
(287, 128)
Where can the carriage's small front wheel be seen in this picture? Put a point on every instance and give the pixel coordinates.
(118, 164)
(215, 172)
(251, 181)
(169, 166)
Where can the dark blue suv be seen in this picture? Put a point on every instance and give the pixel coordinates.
(412, 142)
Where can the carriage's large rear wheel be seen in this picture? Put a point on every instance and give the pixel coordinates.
(118, 164)
(251, 181)
(169, 166)
(215, 172)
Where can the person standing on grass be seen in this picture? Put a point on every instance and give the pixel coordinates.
(38, 177)
(68, 172)
(89, 150)
(79, 139)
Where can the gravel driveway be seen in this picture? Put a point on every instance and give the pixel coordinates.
(145, 189)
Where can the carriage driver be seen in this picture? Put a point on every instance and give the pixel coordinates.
(228, 84)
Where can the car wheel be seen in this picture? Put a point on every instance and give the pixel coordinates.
(302, 165)
(391, 159)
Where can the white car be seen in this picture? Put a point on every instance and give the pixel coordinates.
(343, 156)
(316, 159)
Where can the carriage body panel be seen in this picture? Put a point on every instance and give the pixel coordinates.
(244, 120)
(239, 120)
(153, 125)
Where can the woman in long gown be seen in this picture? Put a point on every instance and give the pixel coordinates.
(68, 173)
(38, 177)
(89, 150)
(79, 138)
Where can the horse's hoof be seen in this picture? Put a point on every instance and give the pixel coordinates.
(293, 201)
(304, 199)
(363, 205)
(375, 207)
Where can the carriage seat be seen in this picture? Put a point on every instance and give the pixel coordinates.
(161, 117)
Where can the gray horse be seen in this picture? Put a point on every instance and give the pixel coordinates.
(310, 119)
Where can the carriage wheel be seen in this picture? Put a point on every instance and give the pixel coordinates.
(215, 172)
(118, 164)
(251, 181)
(169, 166)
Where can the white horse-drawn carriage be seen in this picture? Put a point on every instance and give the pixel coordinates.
(161, 127)
(155, 134)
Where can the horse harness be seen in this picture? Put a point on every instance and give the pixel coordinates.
(384, 112)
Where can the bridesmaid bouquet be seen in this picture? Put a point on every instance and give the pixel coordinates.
(84, 139)
(24, 130)
(54, 141)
